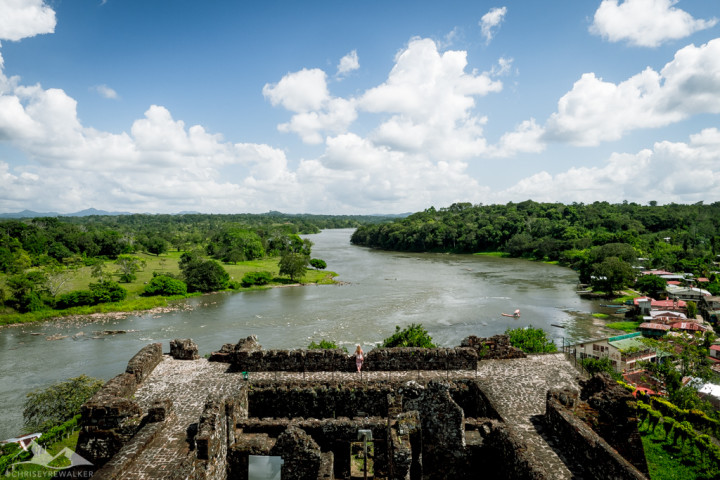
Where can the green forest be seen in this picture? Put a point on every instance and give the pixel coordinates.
(599, 239)
(75, 265)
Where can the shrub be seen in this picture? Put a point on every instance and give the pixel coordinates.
(318, 264)
(411, 336)
(531, 340)
(108, 291)
(165, 285)
(323, 345)
(76, 298)
(256, 278)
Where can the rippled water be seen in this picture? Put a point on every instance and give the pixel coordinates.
(453, 296)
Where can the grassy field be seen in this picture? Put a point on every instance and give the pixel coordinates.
(166, 263)
(628, 327)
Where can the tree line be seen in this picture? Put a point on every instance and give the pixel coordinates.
(598, 239)
(38, 255)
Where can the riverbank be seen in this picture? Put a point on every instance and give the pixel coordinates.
(138, 304)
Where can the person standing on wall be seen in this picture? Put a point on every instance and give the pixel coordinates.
(359, 357)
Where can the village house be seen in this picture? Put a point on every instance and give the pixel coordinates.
(623, 351)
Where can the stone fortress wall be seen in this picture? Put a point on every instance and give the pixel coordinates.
(478, 410)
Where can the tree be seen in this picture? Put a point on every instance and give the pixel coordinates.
(318, 264)
(57, 276)
(531, 340)
(203, 275)
(692, 309)
(612, 274)
(27, 290)
(58, 403)
(156, 246)
(128, 266)
(650, 284)
(411, 336)
(294, 265)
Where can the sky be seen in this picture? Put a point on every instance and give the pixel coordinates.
(329, 107)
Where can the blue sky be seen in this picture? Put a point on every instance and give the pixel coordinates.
(355, 107)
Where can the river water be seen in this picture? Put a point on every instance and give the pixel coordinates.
(452, 296)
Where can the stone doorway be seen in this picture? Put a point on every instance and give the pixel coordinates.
(357, 460)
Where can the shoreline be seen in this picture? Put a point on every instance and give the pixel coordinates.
(180, 304)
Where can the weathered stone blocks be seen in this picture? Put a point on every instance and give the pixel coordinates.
(184, 349)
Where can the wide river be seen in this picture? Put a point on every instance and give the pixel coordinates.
(452, 296)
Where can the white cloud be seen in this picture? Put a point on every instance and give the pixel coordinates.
(301, 91)
(645, 23)
(669, 172)
(490, 21)
(431, 99)
(450, 38)
(526, 138)
(106, 91)
(305, 92)
(25, 18)
(348, 63)
(595, 111)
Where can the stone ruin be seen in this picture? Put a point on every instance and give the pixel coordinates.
(431, 413)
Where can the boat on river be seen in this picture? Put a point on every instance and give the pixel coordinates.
(515, 314)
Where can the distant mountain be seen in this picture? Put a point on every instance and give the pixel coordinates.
(81, 213)
(92, 211)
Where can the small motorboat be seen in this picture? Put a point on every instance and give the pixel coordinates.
(515, 314)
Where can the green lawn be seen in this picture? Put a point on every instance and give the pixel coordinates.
(167, 262)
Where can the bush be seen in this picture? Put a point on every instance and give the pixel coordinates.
(323, 345)
(76, 298)
(318, 264)
(165, 285)
(412, 336)
(530, 340)
(256, 278)
(108, 291)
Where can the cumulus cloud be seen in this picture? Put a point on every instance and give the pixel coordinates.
(306, 93)
(25, 18)
(348, 63)
(106, 91)
(301, 91)
(491, 21)
(595, 111)
(660, 174)
(160, 165)
(430, 98)
(526, 138)
(645, 23)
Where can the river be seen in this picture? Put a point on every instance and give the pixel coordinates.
(452, 296)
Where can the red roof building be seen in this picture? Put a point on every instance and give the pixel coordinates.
(715, 352)
(689, 327)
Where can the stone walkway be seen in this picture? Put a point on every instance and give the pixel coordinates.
(518, 390)
(516, 387)
(187, 383)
